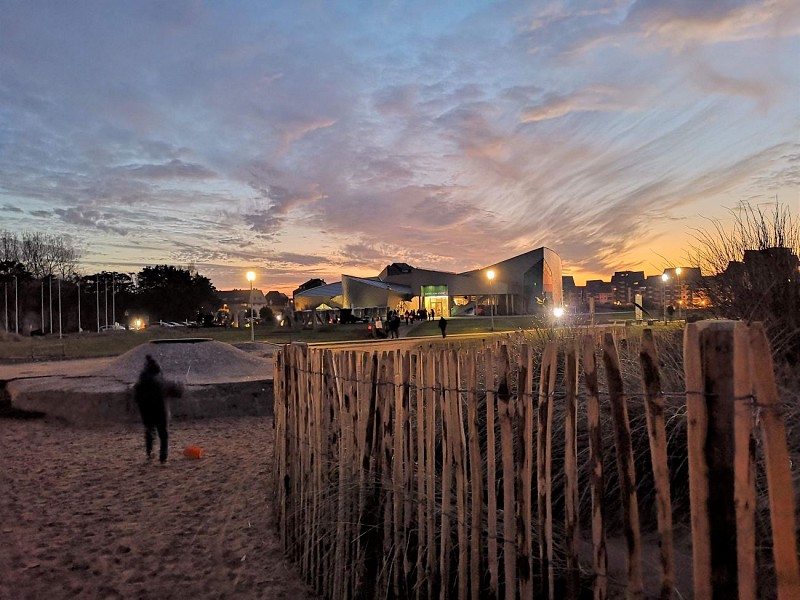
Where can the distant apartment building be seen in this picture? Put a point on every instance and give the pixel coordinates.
(573, 295)
(626, 284)
(601, 291)
(679, 287)
(276, 300)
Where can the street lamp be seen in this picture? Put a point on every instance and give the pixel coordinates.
(251, 277)
(664, 279)
(97, 288)
(490, 275)
(680, 293)
(16, 306)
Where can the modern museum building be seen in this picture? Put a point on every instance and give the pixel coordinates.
(529, 283)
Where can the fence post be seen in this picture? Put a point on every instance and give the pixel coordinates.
(279, 385)
(625, 466)
(422, 467)
(654, 407)
(526, 409)
(571, 516)
(460, 459)
(430, 433)
(544, 445)
(444, 401)
(476, 476)
(505, 411)
(597, 478)
(777, 466)
(720, 458)
(491, 473)
(344, 434)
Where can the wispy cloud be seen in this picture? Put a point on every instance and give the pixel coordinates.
(174, 169)
(88, 219)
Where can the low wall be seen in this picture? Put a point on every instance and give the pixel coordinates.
(97, 400)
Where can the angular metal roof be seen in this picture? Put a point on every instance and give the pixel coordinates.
(330, 290)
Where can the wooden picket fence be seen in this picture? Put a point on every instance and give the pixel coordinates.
(429, 473)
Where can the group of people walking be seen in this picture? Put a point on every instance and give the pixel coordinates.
(394, 318)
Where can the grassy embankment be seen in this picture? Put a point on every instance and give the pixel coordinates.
(114, 343)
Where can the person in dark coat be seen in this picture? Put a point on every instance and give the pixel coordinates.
(443, 326)
(394, 326)
(151, 393)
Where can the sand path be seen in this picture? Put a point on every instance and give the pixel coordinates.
(83, 516)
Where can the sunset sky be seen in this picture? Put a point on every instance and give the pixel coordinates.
(310, 139)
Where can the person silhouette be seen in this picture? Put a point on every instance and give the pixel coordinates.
(151, 392)
(443, 326)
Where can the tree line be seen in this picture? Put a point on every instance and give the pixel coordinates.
(44, 291)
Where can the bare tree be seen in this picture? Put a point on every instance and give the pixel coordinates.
(10, 247)
(753, 267)
(45, 256)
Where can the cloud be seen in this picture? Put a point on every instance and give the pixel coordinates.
(102, 221)
(681, 22)
(293, 259)
(343, 138)
(597, 98)
(396, 100)
(294, 131)
(174, 169)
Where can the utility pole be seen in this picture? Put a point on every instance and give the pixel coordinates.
(59, 308)
(16, 305)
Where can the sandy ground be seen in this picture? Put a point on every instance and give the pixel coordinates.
(82, 515)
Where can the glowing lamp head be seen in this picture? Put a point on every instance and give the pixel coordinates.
(558, 312)
(678, 271)
(490, 274)
(664, 277)
(251, 276)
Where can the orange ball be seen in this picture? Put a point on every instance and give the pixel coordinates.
(193, 452)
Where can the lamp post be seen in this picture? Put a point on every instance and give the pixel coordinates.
(97, 287)
(664, 279)
(251, 277)
(16, 306)
(59, 309)
(78, 283)
(680, 293)
(490, 275)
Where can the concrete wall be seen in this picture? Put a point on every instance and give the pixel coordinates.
(94, 403)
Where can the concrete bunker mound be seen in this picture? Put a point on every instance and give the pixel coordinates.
(218, 380)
